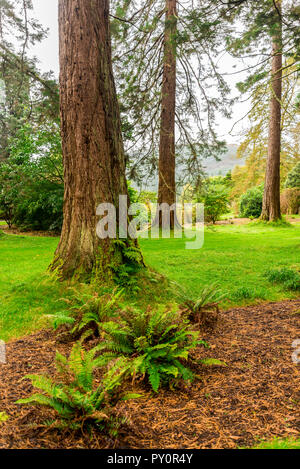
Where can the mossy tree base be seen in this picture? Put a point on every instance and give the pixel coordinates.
(93, 152)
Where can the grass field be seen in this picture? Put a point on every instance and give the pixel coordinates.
(235, 257)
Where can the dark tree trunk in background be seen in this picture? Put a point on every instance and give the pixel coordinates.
(271, 199)
(93, 154)
(167, 185)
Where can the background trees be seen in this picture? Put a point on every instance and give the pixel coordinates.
(265, 23)
(143, 71)
(31, 176)
(27, 95)
(254, 147)
(167, 78)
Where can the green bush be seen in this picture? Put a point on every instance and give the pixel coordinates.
(31, 181)
(41, 208)
(155, 344)
(215, 198)
(251, 202)
(293, 178)
(144, 199)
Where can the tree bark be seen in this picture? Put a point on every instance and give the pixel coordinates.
(271, 198)
(167, 185)
(93, 153)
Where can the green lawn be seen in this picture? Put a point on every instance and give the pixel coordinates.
(233, 256)
(236, 257)
(278, 443)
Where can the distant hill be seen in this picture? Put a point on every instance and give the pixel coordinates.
(211, 166)
(228, 161)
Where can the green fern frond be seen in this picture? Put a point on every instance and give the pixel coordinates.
(75, 397)
(60, 319)
(154, 376)
(154, 342)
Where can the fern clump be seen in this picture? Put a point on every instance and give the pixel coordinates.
(74, 395)
(125, 274)
(86, 312)
(203, 310)
(156, 344)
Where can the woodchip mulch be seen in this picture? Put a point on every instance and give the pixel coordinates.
(257, 395)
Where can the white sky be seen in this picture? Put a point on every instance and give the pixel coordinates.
(46, 12)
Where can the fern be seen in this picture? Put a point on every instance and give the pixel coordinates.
(87, 311)
(153, 343)
(74, 395)
(61, 318)
(204, 309)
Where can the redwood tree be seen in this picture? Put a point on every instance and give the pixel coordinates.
(93, 154)
(166, 167)
(271, 199)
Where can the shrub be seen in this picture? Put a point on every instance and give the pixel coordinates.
(41, 208)
(290, 201)
(251, 202)
(216, 202)
(143, 201)
(31, 180)
(154, 342)
(74, 395)
(293, 178)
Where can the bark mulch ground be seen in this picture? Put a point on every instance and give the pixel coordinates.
(257, 395)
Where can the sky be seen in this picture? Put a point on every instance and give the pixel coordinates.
(46, 12)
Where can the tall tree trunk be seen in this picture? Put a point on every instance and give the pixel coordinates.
(271, 199)
(93, 153)
(167, 185)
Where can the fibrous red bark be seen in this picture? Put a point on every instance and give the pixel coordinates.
(167, 184)
(93, 154)
(271, 198)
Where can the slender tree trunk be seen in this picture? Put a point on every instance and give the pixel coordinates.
(93, 154)
(167, 185)
(271, 199)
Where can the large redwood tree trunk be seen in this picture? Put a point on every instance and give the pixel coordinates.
(93, 154)
(271, 199)
(167, 185)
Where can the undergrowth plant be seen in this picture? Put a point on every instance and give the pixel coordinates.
(155, 344)
(74, 394)
(125, 274)
(87, 311)
(204, 309)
